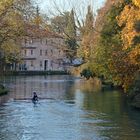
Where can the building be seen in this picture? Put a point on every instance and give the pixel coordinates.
(42, 51)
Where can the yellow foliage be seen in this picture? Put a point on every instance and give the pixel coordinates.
(37, 20)
(11, 50)
(10, 47)
(4, 4)
(134, 55)
(128, 18)
(136, 2)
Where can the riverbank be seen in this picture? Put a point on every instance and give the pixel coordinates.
(3, 94)
(17, 73)
(135, 92)
(3, 90)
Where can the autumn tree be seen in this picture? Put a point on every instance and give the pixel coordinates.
(13, 14)
(59, 23)
(117, 53)
(130, 35)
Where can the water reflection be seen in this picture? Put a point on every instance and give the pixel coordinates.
(46, 86)
(79, 111)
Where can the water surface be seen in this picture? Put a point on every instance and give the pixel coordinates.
(71, 109)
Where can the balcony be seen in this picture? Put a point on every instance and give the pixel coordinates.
(28, 58)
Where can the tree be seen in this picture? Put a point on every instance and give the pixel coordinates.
(70, 34)
(117, 49)
(59, 23)
(87, 34)
(13, 14)
(136, 2)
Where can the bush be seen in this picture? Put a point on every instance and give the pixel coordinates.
(3, 90)
(87, 73)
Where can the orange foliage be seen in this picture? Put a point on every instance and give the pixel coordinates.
(136, 2)
(127, 19)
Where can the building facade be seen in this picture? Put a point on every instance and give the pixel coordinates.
(42, 54)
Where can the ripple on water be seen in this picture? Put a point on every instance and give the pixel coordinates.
(47, 120)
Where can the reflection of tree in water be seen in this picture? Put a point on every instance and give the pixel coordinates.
(88, 86)
(113, 106)
(70, 90)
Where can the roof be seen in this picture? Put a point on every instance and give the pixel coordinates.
(38, 32)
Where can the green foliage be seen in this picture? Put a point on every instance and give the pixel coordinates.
(71, 32)
(70, 35)
(88, 24)
(65, 24)
(86, 33)
(110, 41)
(87, 73)
(136, 40)
(3, 90)
(60, 22)
(108, 57)
(115, 59)
(71, 42)
(137, 26)
(14, 15)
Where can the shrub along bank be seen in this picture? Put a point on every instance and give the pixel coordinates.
(3, 90)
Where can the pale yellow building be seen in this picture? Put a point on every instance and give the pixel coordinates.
(42, 51)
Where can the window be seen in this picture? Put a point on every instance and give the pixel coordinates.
(59, 52)
(24, 62)
(31, 41)
(59, 63)
(40, 52)
(24, 66)
(52, 63)
(46, 52)
(51, 51)
(31, 52)
(32, 63)
(51, 41)
(25, 52)
(25, 41)
(40, 63)
(41, 41)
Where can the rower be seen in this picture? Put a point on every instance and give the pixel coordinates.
(35, 97)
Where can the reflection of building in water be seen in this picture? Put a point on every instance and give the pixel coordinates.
(48, 87)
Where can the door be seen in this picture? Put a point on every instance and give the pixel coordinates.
(45, 64)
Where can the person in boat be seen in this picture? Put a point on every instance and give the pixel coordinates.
(35, 97)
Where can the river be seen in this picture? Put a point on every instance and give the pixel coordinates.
(70, 109)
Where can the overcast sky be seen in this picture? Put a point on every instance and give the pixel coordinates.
(51, 6)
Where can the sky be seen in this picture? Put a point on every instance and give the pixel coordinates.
(54, 7)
